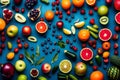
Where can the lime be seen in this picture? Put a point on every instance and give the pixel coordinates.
(104, 20)
(65, 66)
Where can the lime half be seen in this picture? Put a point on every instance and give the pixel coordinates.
(65, 66)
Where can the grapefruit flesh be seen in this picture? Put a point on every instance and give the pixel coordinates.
(41, 27)
(105, 34)
(86, 54)
(117, 17)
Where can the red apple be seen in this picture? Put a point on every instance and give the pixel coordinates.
(108, 1)
(117, 4)
(46, 68)
(26, 30)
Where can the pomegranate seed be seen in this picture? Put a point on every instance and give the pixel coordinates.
(26, 45)
(95, 8)
(92, 21)
(60, 16)
(53, 3)
(6, 11)
(68, 12)
(2, 46)
(94, 46)
(2, 33)
(57, 12)
(82, 11)
(60, 37)
(106, 60)
(74, 10)
(17, 9)
(21, 56)
(18, 41)
(84, 45)
(74, 48)
(3, 39)
(67, 41)
(117, 28)
(19, 45)
(0, 51)
(16, 50)
(90, 12)
(116, 52)
(22, 10)
(95, 68)
(57, 2)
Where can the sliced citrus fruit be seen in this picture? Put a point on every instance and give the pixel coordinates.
(65, 66)
(66, 31)
(91, 2)
(86, 54)
(117, 18)
(41, 27)
(2, 24)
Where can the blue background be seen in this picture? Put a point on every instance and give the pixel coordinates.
(41, 38)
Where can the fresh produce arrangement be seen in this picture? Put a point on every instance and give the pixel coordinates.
(59, 40)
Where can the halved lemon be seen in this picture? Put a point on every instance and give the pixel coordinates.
(65, 66)
(91, 2)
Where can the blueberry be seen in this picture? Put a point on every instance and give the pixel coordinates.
(32, 48)
(53, 31)
(55, 43)
(46, 53)
(66, 19)
(71, 46)
(58, 50)
(72, 16)
(57, 8)
(43, 50)
(56, 36)
(53, 34)
(53, 49)
(50, 51)
(71, 43)
(47, 47)
(51, 42)
(74, 40)
(42, 44)
(48, 39)
(104, 66)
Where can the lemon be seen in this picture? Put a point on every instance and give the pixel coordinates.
(65, 66)
(66, 31)
(10, 55)
(79, 24)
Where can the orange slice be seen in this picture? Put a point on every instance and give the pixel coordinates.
(91, 2)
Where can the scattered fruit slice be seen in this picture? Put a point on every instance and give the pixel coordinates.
(86, 54)
(41, 27)
(79, 24)
(66, 31)
(117, 18)
(73, 30)
(105, 34)
(95, 26)
(32, 39)
(9, 45)
(2, 24)
(10, 55)
(65, 66)
(94, 35)
(91, 2)
(92, 29)
(104, 20)
(20, 18)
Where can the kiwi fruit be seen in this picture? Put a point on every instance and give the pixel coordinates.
(104, 20)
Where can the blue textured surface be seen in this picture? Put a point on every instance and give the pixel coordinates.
(53, 39)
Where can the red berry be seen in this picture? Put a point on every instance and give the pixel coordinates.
(115, 37)
(90, 42)
(2, 46)
(94, 41)
(60, 37)
(6, 11)
(21, 56)
(60, 12)
(57, 2)
(68, 12)
(74, 48)
(95, 8)
(95, 68)
(84, 45)
(60, 16)
(116, 52)
(3, 38)
(17, 9)
(2, 33)
(19, 45)
(0, 51)
(57, 12)
(82, 11)
(115, 45)
(92, 21)
(90, 12)
(74, 10)
(18, 41)
(26, 45)
(23, 10)
(106, 60)
(53, 3)
(94, 46)
(67, 41)
(117, 28)
(16, 50)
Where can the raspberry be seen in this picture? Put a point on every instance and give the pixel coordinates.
(95, 68)
(22, 10)
(68, 12)
(95, 8)
(82, 11)
(92, 21)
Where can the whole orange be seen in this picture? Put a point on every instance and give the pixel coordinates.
(78, 3)
(66, 4)
(84, 35)
(49, 15)
(96, 75)
(2, 24)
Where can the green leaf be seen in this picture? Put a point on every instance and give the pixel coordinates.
(40, 61)
(27, 55)
(32, 56)
(55, 58)
(38, 51)
(61, 44)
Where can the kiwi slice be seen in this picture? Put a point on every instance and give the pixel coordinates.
(104, 20)
(32, 39)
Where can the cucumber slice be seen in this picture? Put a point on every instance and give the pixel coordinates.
(94, 35)
(32, 39)
(72, 77)
(95, 26)
(92, 29)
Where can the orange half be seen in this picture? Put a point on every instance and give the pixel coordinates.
(41, 27)
(91, 2)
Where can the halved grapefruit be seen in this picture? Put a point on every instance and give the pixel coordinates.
(117, 18)
(105, 34)
(41, 27)
(91, 2)
(86, 54)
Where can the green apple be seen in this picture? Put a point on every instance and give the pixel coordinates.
(42, 78)
(12, 31)
(22, 77)
(80, 69)
(103, 10)
(20, 65)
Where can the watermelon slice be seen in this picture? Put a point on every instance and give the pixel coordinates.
(105, 34)
(41, 27)
(117, 18)
(86, 54)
